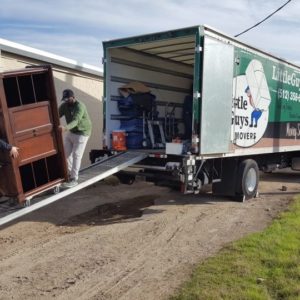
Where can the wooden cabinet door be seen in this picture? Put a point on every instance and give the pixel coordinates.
(33, 132)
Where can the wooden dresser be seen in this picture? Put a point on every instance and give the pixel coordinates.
(29, 120)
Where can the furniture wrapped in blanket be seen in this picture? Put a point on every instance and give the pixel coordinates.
(29, 120)
(137, 105)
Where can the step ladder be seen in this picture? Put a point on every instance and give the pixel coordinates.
(156, 142)
(87, 177)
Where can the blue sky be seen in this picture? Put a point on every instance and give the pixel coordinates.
(75, 29)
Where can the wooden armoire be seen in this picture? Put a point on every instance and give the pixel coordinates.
(29, 120)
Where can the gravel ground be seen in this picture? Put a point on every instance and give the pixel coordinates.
(128, 242)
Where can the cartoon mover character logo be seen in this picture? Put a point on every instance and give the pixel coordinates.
(250, 110)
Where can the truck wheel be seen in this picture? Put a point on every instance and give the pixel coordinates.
(247, 180)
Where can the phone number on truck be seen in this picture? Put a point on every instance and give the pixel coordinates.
(289, 96)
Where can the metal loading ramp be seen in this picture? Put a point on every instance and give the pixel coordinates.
(111, 165)
(88, 176)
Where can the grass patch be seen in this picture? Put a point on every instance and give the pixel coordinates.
(263, 265)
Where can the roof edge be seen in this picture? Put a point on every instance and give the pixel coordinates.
(48, 57)
(161, 34)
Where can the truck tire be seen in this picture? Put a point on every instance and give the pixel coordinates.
(247, 180)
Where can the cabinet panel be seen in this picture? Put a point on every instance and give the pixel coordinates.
(26, 89)
(12, 93)
(40, 87)
(8, 184)
(30, 118)
(36, 147)
(27, 178)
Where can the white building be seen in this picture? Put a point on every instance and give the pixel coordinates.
(85, 80)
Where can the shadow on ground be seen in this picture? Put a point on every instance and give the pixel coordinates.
(116, 212)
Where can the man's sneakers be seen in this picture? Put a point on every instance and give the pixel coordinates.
(69, 184)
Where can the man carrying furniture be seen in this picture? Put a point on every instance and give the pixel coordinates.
(78, 131)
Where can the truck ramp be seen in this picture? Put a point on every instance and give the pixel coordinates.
(88, 176)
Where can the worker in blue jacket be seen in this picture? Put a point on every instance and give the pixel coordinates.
(13, 151)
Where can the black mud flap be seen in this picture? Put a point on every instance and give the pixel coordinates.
(228, 177)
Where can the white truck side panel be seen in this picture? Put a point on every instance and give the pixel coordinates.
(216, 102)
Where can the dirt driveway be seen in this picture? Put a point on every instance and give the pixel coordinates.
(127, 242)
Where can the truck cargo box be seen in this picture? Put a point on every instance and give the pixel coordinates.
(244, 100)
(233, 109)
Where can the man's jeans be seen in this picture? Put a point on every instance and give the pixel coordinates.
(74, 148)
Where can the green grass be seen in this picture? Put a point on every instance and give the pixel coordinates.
(264, 265)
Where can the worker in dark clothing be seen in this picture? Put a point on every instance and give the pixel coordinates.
(78, 131)
(13, 151)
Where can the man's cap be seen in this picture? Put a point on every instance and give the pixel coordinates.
(66, 94)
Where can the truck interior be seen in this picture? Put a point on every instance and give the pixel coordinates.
(166, 67)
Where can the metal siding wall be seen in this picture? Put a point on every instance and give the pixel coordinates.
(87, 88)
(11, 62)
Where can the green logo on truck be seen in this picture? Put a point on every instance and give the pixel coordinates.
(250, 110)
(266, 100)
